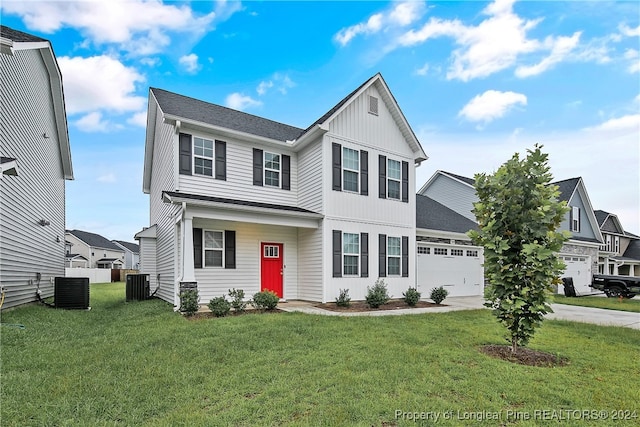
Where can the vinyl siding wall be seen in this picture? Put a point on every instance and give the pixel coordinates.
(38, 192)
(163, 214)
(455, 195)
(310, 177)
(148, 260)
(310, 263)
(585, 226)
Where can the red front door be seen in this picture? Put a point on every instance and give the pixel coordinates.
(271, 268)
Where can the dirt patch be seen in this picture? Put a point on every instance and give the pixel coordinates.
(201, 315)
(524, 356)
(360, 306)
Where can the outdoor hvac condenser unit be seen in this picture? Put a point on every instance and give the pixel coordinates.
(137, 288)
(71, 292)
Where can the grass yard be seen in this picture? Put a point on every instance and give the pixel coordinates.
(141, 364)
(632, 304)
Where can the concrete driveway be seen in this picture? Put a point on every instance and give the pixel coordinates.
(598, 316)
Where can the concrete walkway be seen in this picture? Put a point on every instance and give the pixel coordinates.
(596, 316)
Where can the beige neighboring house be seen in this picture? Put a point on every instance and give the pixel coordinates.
(620, 253)
(35, 160)
(73, 260)
(96, 249)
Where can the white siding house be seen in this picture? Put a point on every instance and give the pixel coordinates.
(99, 251)
(36, 161)
(240, 201)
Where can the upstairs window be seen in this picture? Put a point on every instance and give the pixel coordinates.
(616, 244)
(575, 219)
(202, 156)
(271, 169)
(394, 176)
(350, 169)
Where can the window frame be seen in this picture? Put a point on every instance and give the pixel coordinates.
(394, 180)
(350, 170)
(203, 156)
(266, 169)
(441, 251)
(616, 244)
(397, 256)
(205, 249)
(575, 219)
(352, 255)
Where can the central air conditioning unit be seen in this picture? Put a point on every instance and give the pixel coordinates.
(137, 287)
(71, 293)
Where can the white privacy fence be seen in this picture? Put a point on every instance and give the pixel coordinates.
(95, 275)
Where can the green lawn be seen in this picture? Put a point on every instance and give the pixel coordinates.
(625, 304)
(141, 364)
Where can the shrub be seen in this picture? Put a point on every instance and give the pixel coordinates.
(219, 306)
(377, 295)
(438, 294)
(189, 301)
(343, 300)
(412, 296)
(237, 301)
(265, 300)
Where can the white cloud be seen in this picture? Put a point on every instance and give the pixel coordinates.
(99, 83)
(237, 101)
(422, 71)
(138, 119)
(138, 26)
(629, 32)
(629, 123)
(633, 57)
(400, 15)
(281, 82)
(561, 47)
(107, 178)
(92, 122)
(263, 87)
(190, 63)
(491, 105)
(150, 62)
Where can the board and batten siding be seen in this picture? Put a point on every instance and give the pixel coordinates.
(38, 192)
(163, 214)
(239, 179)
(310, 177)
(455, 195)
(216, 281)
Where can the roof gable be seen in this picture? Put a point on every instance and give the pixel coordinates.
(574, 192)
(132, 247)
(432, 215)
(94, 240)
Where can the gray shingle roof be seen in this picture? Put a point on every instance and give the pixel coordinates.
(601, 216)
(236, 202)
(566, 188)
(431, 215)
(95, 240)
(18, 36)
(217, 115)
(131, 246)
(633, 250)
(464, 179)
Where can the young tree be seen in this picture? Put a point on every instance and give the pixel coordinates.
(518, 214)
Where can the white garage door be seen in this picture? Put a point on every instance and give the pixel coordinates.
(457, 268)
(578, 268)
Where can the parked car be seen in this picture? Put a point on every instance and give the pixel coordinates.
(617, 286)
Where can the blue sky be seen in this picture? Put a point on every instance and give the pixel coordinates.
(477, 81)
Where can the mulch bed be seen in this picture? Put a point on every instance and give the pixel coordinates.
(524, 356)
(201, 315)
(360, 306)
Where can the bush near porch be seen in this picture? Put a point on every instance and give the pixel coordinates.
(140, 363)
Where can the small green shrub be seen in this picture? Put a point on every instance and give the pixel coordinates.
(343, 300)
(438, 294)
(237, 300)
(189, 301)
(219, 306)
(377, 295)
(412, 296)
(265, 300)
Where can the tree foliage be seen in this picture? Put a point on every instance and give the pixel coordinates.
(518, 213)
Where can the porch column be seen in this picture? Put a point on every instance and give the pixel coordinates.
(188, 270)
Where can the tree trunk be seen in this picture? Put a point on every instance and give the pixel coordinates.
(514, 345)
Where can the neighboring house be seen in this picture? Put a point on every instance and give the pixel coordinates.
(445, 255)
(240, 201)
(74, 260)
(36, 160)
(98, 251)
(579, 253)
(620, 253)
(131, 254)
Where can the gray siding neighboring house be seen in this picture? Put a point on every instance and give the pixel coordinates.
(620, 251)
(131, 254)
(99, 251)
(35, 157)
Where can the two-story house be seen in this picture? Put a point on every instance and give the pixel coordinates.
(35, 159)
(131, 254)
(579, 253)
(240, 201)
(620, 252)
(98, 251)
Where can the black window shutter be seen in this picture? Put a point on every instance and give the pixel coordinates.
(221, 160)
(286, 172)
(257, 167)
(405, 256)
(337, 253)
(364, 254)
(382, 256)
(364, 173)
(229, 249)
(571, 218)
(184, 163)
(336, 154)
(382, 177)
(405, 182)
(197, 247)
